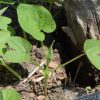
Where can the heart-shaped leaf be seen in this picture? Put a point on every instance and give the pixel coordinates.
(16, 56)
(4, 35)
(45, 21)
(19, 44)
(9, 94)
(92, 50)
(34, 19)
(20, 50)
(4, 21)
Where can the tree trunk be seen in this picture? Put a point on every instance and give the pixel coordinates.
(83, 17)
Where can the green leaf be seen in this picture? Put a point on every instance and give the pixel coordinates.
(92, 50)
(9, 94)
(45, 21)
(11, 30)
(3, 10)
(19, 44)
(20, 50)
(50, 53)
(35, 19)
(16, 56)
(29, 22)
(4, 36)
(4, 21)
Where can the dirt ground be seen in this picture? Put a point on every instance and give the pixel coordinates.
(60, 85)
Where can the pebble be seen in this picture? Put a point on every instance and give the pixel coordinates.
(41, 97)
(32, 95)
(53, 64)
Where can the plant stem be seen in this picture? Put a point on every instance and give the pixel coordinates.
(45, 84)
(11, 70)
(80, 64)
(68, 62)
(6, 3)
(46, 73)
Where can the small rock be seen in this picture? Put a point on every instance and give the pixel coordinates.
(53, 64)
(49, 91)
(1, 87)
(58, 82)
(32, 95)
(60, 74)
(38, 54)
(49, 81)
(97, 88)
(55, 51)
(41, 97)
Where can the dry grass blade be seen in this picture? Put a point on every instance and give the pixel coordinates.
(32, 73)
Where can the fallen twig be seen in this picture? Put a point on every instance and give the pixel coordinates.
(31, 74)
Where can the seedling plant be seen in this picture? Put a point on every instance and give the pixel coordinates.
(36, 21)
(43, 22)
(13, 49)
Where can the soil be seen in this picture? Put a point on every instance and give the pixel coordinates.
(32, 89)
(62, 84)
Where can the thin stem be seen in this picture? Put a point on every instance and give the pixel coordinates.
(6, 3)
(68, 62)
(35, 70)
(11, 70)
(80, 64)
(45, 84)
(46, 73)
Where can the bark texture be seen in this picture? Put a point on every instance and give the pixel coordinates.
(83, 17)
